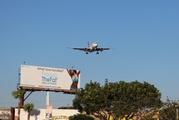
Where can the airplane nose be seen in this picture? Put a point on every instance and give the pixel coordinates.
(96, 45)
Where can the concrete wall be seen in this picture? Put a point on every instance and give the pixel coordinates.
(39, 114)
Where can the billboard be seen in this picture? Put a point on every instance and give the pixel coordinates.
(49, 78)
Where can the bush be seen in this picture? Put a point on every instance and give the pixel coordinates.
(81, 117)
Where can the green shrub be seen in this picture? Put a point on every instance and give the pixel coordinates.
(81, 117)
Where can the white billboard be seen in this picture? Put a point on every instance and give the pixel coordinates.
(49, 78)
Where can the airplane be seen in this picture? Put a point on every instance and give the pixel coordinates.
(91, 48)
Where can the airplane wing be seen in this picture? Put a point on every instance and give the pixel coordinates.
(101, 49)
(83, 49)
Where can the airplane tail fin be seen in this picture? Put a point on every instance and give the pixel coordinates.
(88, 44)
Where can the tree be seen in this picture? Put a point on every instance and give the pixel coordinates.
(169, 110)
(28, 107)
(136, 99)
(81, 117)
(19, 94)
(119, 99)
(153, 115)
(92, 100)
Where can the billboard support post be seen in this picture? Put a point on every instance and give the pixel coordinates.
(48, 115)
(48, 98)
(28, 95)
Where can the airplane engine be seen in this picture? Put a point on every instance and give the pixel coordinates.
(101, 49)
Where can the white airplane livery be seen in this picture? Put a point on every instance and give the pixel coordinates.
(92, 48)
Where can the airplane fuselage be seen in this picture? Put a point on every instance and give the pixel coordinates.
(93, 47)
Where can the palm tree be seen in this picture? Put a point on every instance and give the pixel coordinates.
(19, 94)
(28, 107)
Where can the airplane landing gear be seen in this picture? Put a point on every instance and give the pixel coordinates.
(97, 52)
(86, 52)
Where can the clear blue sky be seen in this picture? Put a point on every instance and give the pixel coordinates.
(145, 35)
